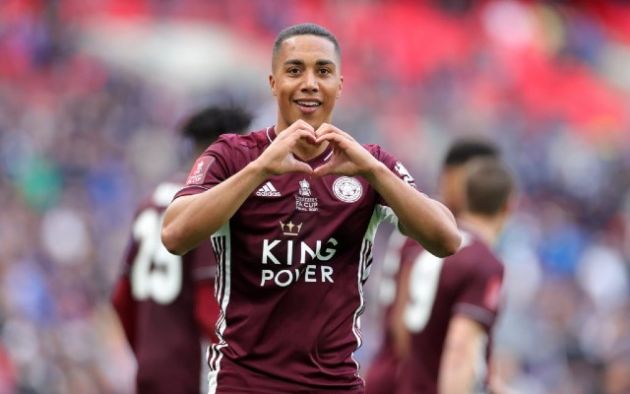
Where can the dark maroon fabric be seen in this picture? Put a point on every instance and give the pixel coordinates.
(292, 262)
(469, 284)
(167, 337)
(384, 372)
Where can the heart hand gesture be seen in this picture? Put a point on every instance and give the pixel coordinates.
(278, 158)
(348, 157)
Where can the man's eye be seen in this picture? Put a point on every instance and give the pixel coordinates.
(324, 71)
(293, 70)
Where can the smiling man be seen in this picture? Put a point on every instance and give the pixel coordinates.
(292, 212)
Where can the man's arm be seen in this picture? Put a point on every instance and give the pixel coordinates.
(421, 218)
(463, 350)
(190, 219)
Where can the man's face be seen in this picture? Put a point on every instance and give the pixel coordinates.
(452, 190)
(306, 80)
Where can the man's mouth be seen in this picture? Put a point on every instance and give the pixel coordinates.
(308, 106)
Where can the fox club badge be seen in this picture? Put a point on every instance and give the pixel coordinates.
(347, 189)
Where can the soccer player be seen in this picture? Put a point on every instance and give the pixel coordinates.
(453, 302)
(292, 211)
(384, 373)
(166, 302)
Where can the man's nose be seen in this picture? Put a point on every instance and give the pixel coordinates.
(310, 82)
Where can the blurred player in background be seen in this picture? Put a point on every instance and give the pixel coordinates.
(383, 375)
(453, 302)
(293, 210)
(166, 302)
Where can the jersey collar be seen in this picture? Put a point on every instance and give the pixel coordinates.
(271, 133)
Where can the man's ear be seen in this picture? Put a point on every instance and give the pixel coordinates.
(272, 84)
(340, 86)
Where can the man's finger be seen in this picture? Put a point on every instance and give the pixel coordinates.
(300, 166)
(306, 135)
(327, 128)
(331, 137)
(324, 169)
(301, 124)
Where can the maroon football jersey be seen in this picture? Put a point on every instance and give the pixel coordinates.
(292, 263)
(467, 283)
(167, 337)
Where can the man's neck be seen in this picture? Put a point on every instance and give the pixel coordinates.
(487, 227)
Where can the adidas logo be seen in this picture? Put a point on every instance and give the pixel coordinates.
(267, 190)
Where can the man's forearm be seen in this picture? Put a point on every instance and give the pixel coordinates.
(463, 353)
(456, 377)
(421, 218)
(191, 219)
(457, 369)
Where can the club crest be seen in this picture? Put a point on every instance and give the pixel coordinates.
(347, 189)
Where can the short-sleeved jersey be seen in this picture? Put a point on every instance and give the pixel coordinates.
(467, 283)
(167, 337)
(292, 262)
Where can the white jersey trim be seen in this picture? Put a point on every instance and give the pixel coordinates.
(363, 271)
(222, 247)
(268, 135)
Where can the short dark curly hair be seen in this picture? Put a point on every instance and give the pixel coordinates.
(301, 30)
(465, 149)
(205, 126)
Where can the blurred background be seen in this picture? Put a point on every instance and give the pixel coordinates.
(91, 93)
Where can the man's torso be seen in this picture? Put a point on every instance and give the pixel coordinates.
(291, 267)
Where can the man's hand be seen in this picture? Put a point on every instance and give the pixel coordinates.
(348, 158)
(278, 158)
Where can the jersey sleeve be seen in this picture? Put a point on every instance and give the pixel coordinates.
(393, 164)
(215, 165)
(479, 299)
(397, 168)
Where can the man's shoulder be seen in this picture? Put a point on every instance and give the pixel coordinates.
(478, 255)
(253, 139)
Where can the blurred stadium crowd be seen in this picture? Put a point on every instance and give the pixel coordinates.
(82, 138)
